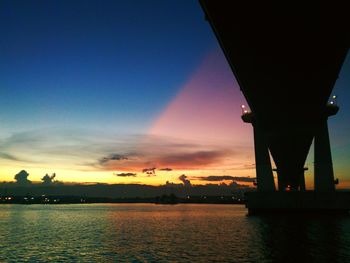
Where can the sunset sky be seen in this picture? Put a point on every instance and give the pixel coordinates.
(105, 91)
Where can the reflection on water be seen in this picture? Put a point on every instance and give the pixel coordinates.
(303, 238)
(163, 233)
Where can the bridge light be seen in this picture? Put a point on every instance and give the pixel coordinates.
(334, 100)
(244, 109)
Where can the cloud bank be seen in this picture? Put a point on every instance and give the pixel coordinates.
(126, 174)
(220, 178)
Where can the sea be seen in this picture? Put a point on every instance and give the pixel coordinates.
(167, 233)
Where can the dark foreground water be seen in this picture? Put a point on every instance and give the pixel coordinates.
(165, 233)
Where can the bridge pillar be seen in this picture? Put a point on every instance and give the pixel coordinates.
(264, 175)
(323, 169)
(324, 176)
(302, 181)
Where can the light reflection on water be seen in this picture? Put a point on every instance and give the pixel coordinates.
(167, 233)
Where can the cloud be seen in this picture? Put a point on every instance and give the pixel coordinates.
(47, 180)
(166, 169)
(21, 178)
(184, 180)
(177, 159)
(126, 174)
(76, 148)
(8, 157)
(96, 150)
(192, 159)
(150, 171)
(219, 178)
(112, 157)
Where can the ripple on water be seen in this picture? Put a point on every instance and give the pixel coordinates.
(162, 233)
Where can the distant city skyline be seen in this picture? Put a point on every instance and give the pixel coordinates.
(128, 92)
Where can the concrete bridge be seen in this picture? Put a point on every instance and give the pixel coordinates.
(286, 58)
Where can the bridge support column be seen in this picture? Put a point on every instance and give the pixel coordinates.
(302, 181)
(324, 176)
(264, 173)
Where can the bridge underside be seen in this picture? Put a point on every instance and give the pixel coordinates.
(286, 58)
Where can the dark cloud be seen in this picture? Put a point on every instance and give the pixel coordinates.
(126, 174)
(8, 157)
(21, 178)
(149, 171)
(176, 160)
(219, 178)
(87, 151)
(184, 180)
(198, 158)
(163, 152)
(112, 157)
(48, 180)
(166, 169)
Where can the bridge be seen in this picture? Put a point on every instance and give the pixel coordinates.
(286, 58)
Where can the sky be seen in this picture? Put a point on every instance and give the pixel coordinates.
(127, 92)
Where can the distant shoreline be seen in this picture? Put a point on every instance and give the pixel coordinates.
(165, 199)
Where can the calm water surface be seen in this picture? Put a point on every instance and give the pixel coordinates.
(167, 233)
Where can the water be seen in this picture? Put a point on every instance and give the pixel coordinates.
(165, 233)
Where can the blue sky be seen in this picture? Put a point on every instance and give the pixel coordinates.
(83, 61)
